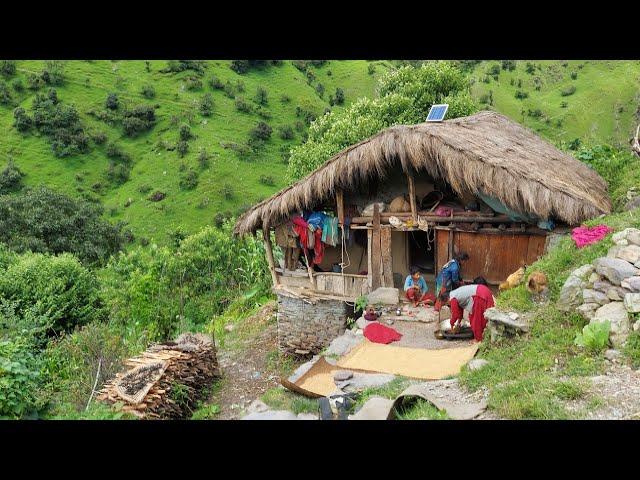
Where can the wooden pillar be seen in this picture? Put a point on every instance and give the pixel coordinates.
(266, 234)
(376, 260)
(385, 247)
(412, 198)
(340, 206)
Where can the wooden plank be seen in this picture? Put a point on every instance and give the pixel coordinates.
(376, 260)
(412, 197)
(340, 206)
(266, 234)
(385, 248)
(369, 269)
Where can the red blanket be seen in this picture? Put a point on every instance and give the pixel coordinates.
(378, 333)
(584, 236)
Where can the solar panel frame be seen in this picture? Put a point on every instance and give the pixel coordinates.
(437, 112)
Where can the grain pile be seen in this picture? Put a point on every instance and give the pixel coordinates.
(166, 380)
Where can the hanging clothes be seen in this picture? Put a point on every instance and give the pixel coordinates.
(318, 248)
(301, 227)
(330, 231)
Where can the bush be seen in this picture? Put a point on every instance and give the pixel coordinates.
(574, 75)
(371, 69)
(261, 97)
(320, 90)
(594, 336)
(570, 90)
(175, 66)
(261, 131)
(216, 83)
(18, 85)
(42, 220)
(521, 95)
(242, 105)
(229, 90)
(182, 147)
(148, 91)
(21, 120)
(114, 151)
(509, 65)
(192, 83)
(494, 70)
(112, 102)
(5, 94)
(99, 138)
(530, 68)
(227, 191)
(189, 180)
(243, 66)
(185, 132)
(59, 288)
(203, 159)
(138, 119)
(7, 68)
(284, 98)
(10, 178)
(206, 105)
(19, 378)
(267, 180)
(339, 96)
(286, 132)
(53, 73)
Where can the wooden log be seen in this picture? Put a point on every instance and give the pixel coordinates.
(340, 206)
(437, 219)
(375, 250)
(369, 269)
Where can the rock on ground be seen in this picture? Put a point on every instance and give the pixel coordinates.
(632, 302)
(614, 269)
(384, 295)
(477, 364)
(617, 314)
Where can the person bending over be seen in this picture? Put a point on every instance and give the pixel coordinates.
(449, 276)
(473, 298)
(415, 287)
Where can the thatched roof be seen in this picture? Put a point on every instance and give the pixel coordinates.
(484, 152)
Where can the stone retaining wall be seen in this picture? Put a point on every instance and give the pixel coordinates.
(305, 328)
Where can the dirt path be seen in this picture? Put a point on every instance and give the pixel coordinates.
(244, 359)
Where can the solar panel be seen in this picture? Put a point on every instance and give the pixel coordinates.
(437, 113)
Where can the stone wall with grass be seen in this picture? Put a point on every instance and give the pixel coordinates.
(306, 327)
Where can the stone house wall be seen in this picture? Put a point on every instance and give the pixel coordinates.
(307, 328)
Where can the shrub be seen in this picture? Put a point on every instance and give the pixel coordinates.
(203, 159)
(521, 95)
(261, 131)
(339, 96)
(114, 151)
(18, 85)
(185, 132)
(42, 220)
(493, 70)
(320, 90)
(227, 191)
(10, 178)
(229, 89)
(509, 65)
(144, 188)
(574, 75)
(371, 69)
(7, 68)
(216, 83)
(99, 138)
(148, 91)
(112, 102)
(267, 180)
(284, 98)
(175, 66)
(189, 180)
(34, 81)
(192, 83)
(59, 288)
(575, 144)
(594, 336)
(219, 219)
(239, 86)
(5, 94)
(138, 119)
(261, 97)
(206, 105)
(53, 73)
(242, 105)
(19, 378)
(530, 68)
(570, 90)
(564, 104)
(182, 147)
(286, 132)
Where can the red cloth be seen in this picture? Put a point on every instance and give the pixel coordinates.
(482, 300)
(412, 294)
(584, 236)
(318, 247)
(378, 333)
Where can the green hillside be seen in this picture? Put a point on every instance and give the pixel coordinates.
(603, 108)
(226, 183)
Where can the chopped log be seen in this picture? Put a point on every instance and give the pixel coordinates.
(165, 381)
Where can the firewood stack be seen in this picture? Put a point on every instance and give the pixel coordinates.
(166, 380)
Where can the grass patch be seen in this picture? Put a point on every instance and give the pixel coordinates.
(632, 349)
(206, 412)
(279, 398)
(421, 410)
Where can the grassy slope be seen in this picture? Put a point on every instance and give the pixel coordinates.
(602, 109)
(87, 85)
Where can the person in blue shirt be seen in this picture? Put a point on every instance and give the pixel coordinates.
(415, 287)
(450, 277)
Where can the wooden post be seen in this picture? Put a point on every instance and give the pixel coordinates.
(412, 198)
(385, 247)
(269, 248)
(340, 206)
(376, 260)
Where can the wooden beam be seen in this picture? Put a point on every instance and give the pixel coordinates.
(340, 206)
(369, 268)
(266, 234)
(412, 197)
(376, 260)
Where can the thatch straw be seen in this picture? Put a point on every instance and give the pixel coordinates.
(486, 152)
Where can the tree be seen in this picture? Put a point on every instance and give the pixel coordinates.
(42, 220)
(405, 96)
(7, 68)
(10, 178)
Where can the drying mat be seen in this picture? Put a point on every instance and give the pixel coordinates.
(136, 383)
(409, 362)
(317, 382)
